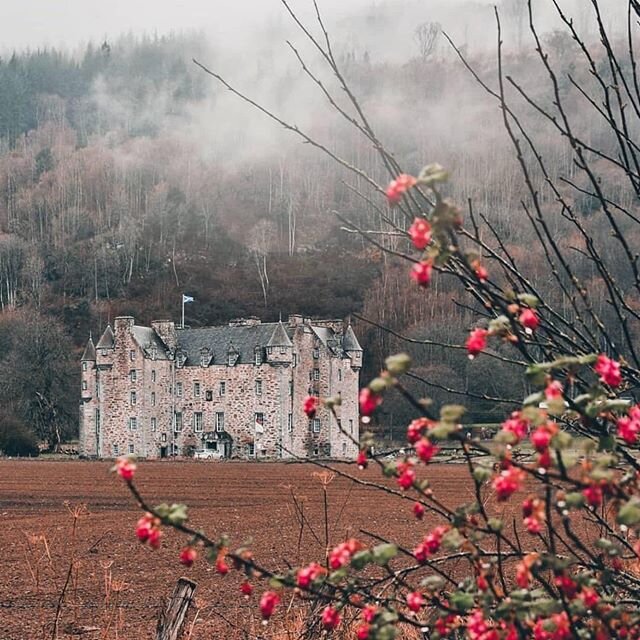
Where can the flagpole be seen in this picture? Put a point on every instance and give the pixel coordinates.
(182, 325)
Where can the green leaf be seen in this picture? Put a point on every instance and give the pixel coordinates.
(398, 364)
(461, 601)
(574, 500)
(495, 524)
(452, 540)
(442, 431)
(629, 513)
(432, 174)
(361, 559)
(533, 399)
(562, 440)
(383, 553)
(388, 632)
(528, 299)
(378, 385)
(177, 514)
(452, 412)
(432, 583)
(482, 474)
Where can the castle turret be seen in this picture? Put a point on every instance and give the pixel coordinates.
(107, 340)
(88, 374)
(279, 347)
(87, 399)
(352, 348)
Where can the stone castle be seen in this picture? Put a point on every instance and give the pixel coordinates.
(236, 391)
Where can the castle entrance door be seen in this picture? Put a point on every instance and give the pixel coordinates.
(163, 452)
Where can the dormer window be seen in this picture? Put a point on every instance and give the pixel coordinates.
(232, 356)
(181, 358)
(257, 356)
(205, 357)
(153, 351)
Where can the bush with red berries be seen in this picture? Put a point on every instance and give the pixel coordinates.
(566, 570)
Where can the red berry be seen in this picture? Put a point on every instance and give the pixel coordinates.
(188, 556)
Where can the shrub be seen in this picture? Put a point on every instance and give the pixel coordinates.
(16, 439)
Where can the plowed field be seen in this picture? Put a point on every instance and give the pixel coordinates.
(116, 586)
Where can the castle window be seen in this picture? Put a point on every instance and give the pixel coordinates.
(179, 389)
(209, 394)
(132, 355)
(316, 353)
(223, 388)
(132, 449)
(133, 424)
(290, 423)
(315, 425)
(316, 451)
(251, 449)
(295, 359)
(153, 375)
(232, 358)
(96, 417)
(116, 450)
(339, 375)
(257, 356)
(84, 385)
(283, 350)
(258, 387)
(177, 421)
(133, 398)
(84, 366)
(316, 374)
(204, 359)
(153, 398)
(219, 421)
(163, 437)
(154, 424)
(351, 427)
(344, 449)
(153, 351)
(196, 389)
(290, 387)
(197, 421)
(133, 375)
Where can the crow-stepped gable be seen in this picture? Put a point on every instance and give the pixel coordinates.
(232, 391)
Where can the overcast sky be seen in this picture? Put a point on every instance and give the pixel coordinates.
(36, 23)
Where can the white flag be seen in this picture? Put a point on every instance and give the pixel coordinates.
(186, 298)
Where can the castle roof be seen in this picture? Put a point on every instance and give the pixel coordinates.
(279, 338)
(149, 340)
(244, 338)
(89, 352)
(107, 340)
(349, 341)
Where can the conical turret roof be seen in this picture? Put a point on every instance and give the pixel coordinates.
(89, 352)
(279, 337)
(107, 340)
(349, 341)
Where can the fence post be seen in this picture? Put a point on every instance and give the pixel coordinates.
(172, 618)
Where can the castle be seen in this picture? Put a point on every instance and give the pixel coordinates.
(236, 391)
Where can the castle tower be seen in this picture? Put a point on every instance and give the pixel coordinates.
(352, 348)
(279, 347)
(87, 443)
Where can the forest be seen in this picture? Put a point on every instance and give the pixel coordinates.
(129, 176)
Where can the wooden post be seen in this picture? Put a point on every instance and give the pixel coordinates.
(172, 618)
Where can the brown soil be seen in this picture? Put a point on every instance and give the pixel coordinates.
(117, 586)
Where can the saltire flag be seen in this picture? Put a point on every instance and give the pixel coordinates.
(186, 299)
